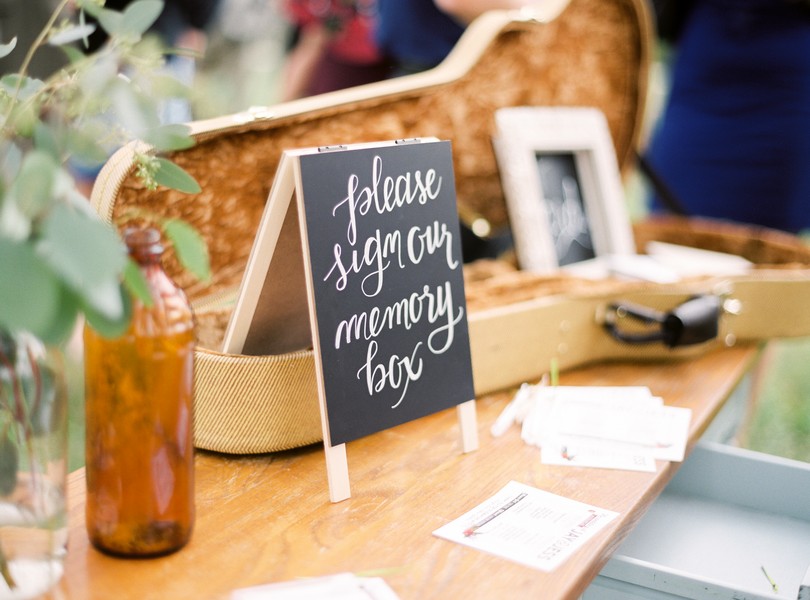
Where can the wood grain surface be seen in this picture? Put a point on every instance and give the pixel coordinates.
(267, 518)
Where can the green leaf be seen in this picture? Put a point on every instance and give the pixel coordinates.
(29, 291)
(167, 86)
(14, 225)
(106, 325)
(28, 85)
(67, 194)
(6, 49)
(73, 54)
(190, 248)
(171, 176)
(10, 160)
(136, 283)
(139, 16)
(170, 137)
(70, 35)
(23, 119)
(150, 49)
(137, 113)
(87, 255)
(46, 139)
(85, 143)
(91, 7)
(111, 21)
(72, 197)
(33, 187)
(63, 323)
(98, 80)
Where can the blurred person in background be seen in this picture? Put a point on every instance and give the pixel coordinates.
(334, 47)
(416, 35)
(342, 43)
(733, 141)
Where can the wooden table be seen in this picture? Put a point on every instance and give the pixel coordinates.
(268, 518)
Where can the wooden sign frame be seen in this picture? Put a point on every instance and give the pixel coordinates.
(280, 292)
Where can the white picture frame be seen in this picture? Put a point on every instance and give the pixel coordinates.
(562, 186)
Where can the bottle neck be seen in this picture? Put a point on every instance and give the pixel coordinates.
(144, 246)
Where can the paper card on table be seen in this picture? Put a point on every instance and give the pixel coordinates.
(615, 395)
(604, 454)
(673, 433)
(591, 411)
(634, 424)
(528, 526)
(606, 412)
(343, 586)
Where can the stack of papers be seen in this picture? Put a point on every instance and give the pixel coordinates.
(607, 427)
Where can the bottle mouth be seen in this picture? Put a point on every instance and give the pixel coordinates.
(143, 240)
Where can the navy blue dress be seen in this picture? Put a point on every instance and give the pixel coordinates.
(414, 34)
(734, 139)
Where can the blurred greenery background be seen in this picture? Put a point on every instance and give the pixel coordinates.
(779, 421)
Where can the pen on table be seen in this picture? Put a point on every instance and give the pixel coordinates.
(515, 409)
(476, 526)
(507, 416)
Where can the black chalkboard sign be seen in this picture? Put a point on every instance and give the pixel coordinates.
(384, 260)
(565, 208)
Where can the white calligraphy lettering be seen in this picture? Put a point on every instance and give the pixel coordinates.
(401, 370)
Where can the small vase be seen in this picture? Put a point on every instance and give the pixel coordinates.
(33, 466)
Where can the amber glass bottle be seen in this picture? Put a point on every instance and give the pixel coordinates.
(138, 403)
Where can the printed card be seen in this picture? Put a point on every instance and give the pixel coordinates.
(528, 526)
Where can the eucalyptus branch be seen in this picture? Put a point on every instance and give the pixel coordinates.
(29, 56)
(98, 101)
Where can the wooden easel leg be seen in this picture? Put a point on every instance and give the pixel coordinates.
(468, 422)
(337, 472)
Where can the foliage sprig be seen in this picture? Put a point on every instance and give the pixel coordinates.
(58, 260)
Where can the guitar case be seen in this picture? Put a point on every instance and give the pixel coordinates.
(593, 53)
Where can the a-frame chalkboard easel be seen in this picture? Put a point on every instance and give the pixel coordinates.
(366, 266)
